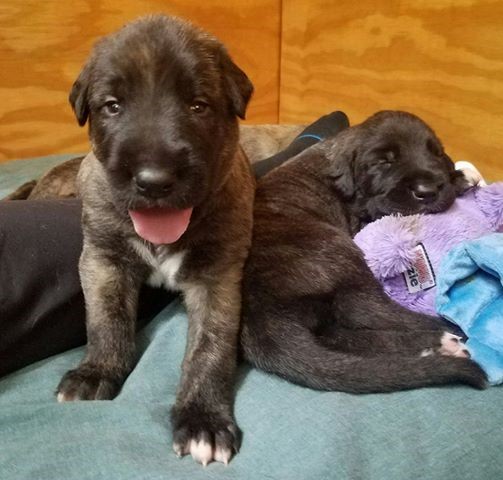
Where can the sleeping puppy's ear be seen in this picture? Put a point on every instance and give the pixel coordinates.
(342, 154)
(79, 95)
(237, 84)
(343, 174)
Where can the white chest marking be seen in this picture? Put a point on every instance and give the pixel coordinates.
(164, 272)
(168, 271)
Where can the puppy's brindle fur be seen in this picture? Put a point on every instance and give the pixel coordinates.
(312, 311)
(163, 95)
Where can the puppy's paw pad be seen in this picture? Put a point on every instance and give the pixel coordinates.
(452, 346)
(85, 383)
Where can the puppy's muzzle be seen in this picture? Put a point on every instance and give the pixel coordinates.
(153, 182)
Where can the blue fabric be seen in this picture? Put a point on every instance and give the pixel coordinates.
(470, 294)
(310, 135)
(290, 433)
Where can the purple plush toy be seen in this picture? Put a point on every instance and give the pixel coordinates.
(404, 252)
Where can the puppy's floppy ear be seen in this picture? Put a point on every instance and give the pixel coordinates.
(238, 85)
(343, 173)
(342, 154)
(79, 95)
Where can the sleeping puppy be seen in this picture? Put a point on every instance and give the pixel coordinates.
(167, 199)
(312, 311)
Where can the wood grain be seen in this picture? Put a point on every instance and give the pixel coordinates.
(43, 45)
(440, 59)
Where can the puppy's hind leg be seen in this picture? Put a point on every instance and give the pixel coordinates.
(297, 355)
(339, 272)
(396, 329)
(362, 303)
(409, 342)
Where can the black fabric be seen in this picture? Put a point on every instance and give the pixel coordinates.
(41, 303)
(325, 127)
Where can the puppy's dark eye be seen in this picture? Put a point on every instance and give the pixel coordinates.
(112, 108)
(199, 107)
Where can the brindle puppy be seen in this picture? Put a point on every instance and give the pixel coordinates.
(313, 312)
(167, 199)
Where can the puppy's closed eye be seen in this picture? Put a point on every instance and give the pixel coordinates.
(384, 157)
(385, 161)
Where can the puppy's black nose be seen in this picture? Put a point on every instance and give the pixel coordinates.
(153, 182)
(426, 192)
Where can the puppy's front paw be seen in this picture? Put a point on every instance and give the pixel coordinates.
(205, 436)
(86, 383)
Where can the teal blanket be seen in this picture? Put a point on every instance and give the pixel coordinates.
(290, 432)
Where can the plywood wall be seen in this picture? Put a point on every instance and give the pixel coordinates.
(441, 59)
(43, 45)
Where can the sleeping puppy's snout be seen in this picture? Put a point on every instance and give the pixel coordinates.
(426, 192)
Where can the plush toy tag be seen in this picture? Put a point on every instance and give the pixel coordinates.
(419, 276)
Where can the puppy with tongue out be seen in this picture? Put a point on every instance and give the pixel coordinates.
(167, 199)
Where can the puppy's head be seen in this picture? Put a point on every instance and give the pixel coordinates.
(162, 99)
(394, 163)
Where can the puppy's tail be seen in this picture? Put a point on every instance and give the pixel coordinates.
(297, 356)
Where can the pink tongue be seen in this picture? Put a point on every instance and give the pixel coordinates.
(160, 225)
